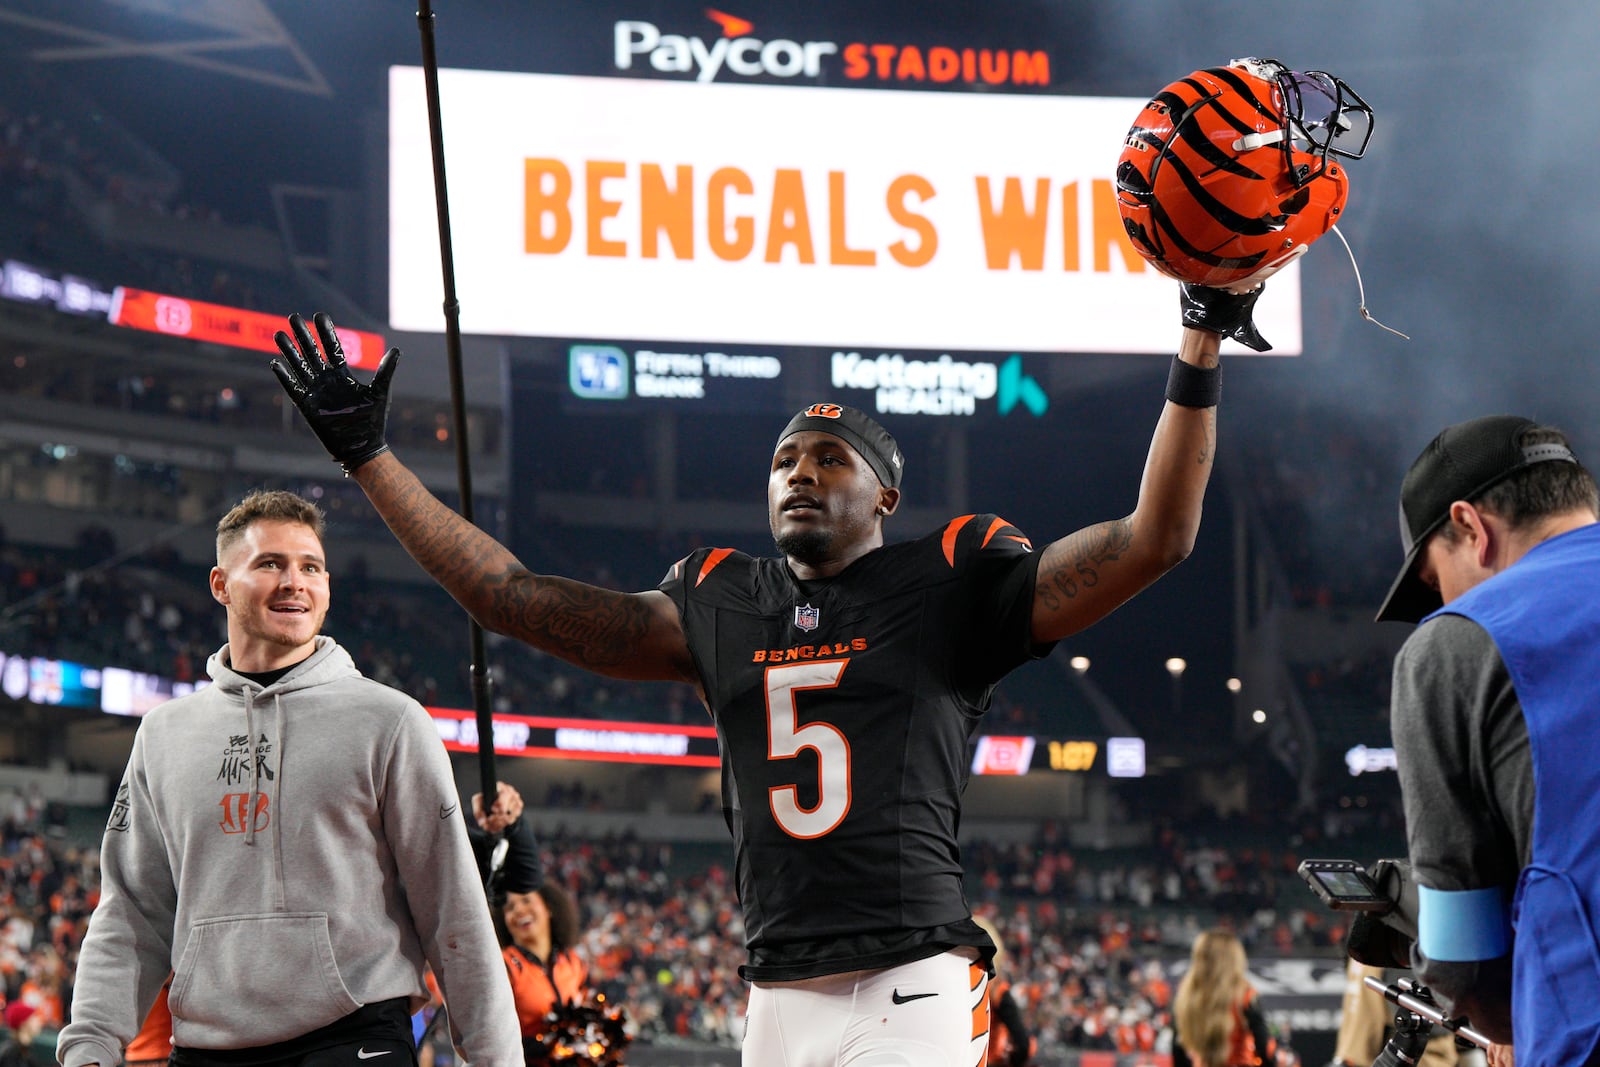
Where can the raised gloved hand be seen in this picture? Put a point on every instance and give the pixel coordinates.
(347, 417)
(1224, 312)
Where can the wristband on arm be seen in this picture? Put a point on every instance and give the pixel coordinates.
(1194, 387)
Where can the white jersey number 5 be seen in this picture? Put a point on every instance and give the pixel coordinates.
(786, 738)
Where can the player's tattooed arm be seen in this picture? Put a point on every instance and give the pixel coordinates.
(1203, 354)
(1086, 575)
(1083, 577)
(625, 635)
(620, 634)
(1076, 566)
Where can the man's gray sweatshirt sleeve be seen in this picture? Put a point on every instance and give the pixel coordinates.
(127, 951)
(440, 879)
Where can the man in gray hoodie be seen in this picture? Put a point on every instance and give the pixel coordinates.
(287, 843)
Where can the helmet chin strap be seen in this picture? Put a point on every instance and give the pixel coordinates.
(1361, 289)
(1251, 141)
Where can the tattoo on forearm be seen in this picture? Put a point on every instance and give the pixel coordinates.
(437, 538)
(1083, 555)
(1208, 442)
(595, 627)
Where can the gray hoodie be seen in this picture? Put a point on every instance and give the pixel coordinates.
(290, 854)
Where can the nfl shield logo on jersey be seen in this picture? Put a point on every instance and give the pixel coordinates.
(807, 617)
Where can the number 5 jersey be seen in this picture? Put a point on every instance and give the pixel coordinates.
(845, 709)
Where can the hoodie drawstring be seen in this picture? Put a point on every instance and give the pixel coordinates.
(277, 823)
(250, 754)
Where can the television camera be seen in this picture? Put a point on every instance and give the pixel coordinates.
(1381, 936)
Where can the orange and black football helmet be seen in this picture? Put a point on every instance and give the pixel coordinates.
(1232, 172)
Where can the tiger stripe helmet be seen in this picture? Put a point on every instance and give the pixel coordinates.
(1228, 174)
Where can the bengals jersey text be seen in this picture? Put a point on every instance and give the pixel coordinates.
(845, 709)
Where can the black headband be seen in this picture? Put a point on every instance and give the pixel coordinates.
(873, 442)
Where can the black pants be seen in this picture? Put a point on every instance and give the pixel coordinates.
(375, 1035)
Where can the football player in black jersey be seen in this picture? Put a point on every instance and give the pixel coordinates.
(845, 676)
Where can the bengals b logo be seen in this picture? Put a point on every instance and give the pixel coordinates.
(236, 814)
(824, 411)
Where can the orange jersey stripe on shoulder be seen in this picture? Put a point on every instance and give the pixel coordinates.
(716, 556)
(1000, 524)
(950, 532)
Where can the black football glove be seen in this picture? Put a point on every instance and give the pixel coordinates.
(1223, 312)
(347, 417)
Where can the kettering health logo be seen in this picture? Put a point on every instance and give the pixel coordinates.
(943, 386)
(597, 372)
(1017, 387)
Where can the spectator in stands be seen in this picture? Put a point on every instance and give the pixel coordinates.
(541, 934)
(1218, 1020)
(22, 1026)
(300, 921)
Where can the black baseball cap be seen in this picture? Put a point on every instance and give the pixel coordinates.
(1462, 463)
(859, 431)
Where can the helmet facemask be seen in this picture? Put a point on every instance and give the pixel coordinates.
(1322, 116)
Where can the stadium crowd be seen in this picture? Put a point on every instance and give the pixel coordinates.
(68, 169)
(1094, 945)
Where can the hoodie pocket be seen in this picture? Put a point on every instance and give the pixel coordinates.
(256, 979)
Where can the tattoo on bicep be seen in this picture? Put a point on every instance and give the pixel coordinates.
(1082, 556)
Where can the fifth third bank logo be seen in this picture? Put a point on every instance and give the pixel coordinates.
(1017, 387)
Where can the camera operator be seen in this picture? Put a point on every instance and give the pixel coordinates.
(1496, 722)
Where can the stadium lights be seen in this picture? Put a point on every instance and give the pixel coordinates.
(1175, 667)
(1080, 663)
(1234, 685)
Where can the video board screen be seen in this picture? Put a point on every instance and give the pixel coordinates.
(793, 215)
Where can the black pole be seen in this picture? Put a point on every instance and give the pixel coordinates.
(458, 408)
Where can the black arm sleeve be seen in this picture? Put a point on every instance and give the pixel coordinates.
(523, 871)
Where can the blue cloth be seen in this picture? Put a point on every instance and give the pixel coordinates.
(1544, 616)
